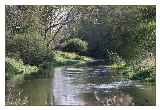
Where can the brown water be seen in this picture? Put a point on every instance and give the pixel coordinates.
(89, 85)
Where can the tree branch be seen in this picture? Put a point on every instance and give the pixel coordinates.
(58, 30)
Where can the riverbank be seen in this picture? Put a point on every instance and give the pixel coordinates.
(17, 70)
(144, 71)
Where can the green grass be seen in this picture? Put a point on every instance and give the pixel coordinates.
(16, 69)
(66, 58)
(118, 66)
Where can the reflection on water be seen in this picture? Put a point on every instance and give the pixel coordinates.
(15, 96)
(96, 85)
(114, 99)
(37, 92)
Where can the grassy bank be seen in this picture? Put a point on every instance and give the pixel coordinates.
(144, 70)
(64, 59)
(16, 69)
(146, 74)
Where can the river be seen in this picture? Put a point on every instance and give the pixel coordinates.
(85, 85)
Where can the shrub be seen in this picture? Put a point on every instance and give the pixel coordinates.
(31, 48)
(76, 45)
(115, 59)
(15, 69)
(143, 74)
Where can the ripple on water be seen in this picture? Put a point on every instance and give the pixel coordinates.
(75, 85)
(116, 84)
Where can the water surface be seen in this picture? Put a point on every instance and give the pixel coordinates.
(89, 85)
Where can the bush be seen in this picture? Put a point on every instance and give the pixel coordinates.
(32, 49)
(15, 69)
(146, 73)
(76, 45)
(115, 60)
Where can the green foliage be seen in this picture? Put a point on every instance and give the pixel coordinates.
(127, 32)
(63, 58)
(144, 70)
(31, 48)
(76, 45)
(16, 69)
(147, 73)
(146, 36)
(110, 27)
(138, 69)
(114, 58)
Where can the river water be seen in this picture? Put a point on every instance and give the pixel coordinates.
(86, 85)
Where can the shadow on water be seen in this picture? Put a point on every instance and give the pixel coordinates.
(86, 85)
